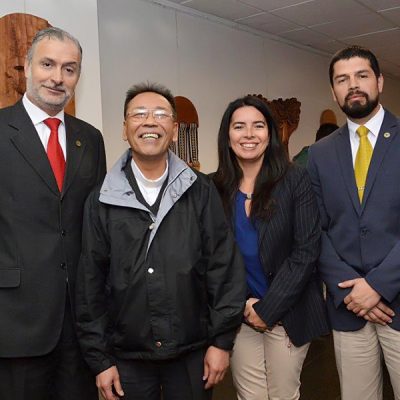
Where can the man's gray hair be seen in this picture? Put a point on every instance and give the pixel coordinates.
(53, 33)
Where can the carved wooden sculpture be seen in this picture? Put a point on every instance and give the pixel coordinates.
(286, 113)
(187, 147)
(16, 32)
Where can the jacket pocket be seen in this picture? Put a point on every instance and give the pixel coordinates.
(10, 277)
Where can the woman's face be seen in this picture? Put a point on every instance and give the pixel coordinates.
(248, 134)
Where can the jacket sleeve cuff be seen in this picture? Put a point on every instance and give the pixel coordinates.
(224, 341)
(101, 366)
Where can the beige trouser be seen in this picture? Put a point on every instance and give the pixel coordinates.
(359, 361)
(266, 366)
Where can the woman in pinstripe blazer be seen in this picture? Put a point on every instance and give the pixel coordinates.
(276, 223)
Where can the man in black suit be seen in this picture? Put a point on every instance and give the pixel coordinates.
(45, 176)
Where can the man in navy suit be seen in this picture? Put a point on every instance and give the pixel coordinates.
(356, 176)
(41, 207)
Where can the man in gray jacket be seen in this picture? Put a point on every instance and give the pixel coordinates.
(161, 284)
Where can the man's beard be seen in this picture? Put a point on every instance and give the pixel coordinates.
(356, 110)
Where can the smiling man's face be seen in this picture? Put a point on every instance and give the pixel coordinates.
(149, 137)
(52, 74)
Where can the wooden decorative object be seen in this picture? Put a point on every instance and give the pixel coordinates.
(286, 113)
(16, 32)
(187, 147)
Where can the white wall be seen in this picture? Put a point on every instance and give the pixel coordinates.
(80, 19)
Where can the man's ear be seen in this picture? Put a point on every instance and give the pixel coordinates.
(124, 134)
(333, 94)
(380, 83)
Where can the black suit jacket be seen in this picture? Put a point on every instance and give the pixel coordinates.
(289, 245)
(40, 229)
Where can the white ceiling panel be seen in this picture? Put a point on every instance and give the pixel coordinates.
(378, 40)
(392, 15)
(229, 9)
(272, 4)
(349, 26)
(269, 23)
(317, 11)
(380, 4)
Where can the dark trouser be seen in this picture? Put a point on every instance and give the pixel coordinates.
(177, 379)
(59, 375)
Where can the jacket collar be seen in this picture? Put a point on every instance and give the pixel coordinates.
(116, 189)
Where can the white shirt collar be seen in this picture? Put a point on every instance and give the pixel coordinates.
(36, 114)
(149, 183)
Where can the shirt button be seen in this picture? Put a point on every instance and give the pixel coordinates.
(150, 270)
(151, 226)
(158, 344)
(63, 265)
(63, 232)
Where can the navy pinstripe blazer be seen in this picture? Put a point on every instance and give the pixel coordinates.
(289, 243)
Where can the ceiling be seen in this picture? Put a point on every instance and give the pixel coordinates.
(322, 25)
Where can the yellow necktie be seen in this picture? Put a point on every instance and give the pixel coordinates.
(363, 158)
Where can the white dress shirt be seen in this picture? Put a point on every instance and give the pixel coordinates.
(37, 115)
(373, 125)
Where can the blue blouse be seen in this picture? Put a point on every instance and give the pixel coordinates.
(247, 239)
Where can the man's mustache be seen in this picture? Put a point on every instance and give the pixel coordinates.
(59, 88)
(356, 93)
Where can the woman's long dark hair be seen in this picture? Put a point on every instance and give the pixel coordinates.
(229, 173)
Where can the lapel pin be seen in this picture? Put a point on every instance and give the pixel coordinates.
(386, 135)
(79, 143)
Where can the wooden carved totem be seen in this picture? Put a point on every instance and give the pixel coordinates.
(286, 113)
(187, 146)
(16, 33)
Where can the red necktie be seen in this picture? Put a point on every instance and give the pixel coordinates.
(54, 151)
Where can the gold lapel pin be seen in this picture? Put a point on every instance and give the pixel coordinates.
(386, 135)
(78, 143)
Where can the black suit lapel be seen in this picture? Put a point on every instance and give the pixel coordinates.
(343, 149)
(75, 150)
(27, 142)
(387, 133)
